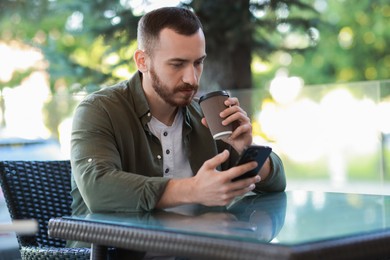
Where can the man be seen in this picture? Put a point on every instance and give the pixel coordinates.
(144, 144)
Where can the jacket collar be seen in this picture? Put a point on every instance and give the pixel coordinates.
(141, 105)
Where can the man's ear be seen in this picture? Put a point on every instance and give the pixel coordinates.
(140, 58)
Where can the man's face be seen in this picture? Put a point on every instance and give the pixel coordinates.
(176, 66)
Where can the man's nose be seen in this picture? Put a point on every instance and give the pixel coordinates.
(190, 75)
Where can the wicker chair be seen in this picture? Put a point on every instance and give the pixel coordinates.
(39, 190)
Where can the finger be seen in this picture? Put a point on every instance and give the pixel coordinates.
(240, 191)
(241, 129)
(238, 116)
(232, 101)
(237, 171)
(233, 110)
(245, 185)
(204, 122)
(217, 160)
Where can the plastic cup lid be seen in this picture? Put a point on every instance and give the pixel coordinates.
(212, 94)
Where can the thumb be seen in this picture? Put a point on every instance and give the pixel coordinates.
(204, 122)
(217, 160)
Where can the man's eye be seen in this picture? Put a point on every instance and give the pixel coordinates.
(198, 63)
(177, 65)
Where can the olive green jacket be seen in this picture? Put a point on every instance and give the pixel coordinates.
(117, 163)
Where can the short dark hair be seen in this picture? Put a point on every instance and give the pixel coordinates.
(181, 20)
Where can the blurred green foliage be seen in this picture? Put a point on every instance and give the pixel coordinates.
(75, 37)
(89, 44)
(351, 46)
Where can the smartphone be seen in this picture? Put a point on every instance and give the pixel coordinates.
(253, 153)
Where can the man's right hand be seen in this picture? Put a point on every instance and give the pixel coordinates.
(209, 186)
(215, 188)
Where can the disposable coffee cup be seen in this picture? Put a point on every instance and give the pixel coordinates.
(212, 104)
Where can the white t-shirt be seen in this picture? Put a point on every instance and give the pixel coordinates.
(175, 160)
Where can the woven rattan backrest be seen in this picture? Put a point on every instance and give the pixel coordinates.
(38, 190)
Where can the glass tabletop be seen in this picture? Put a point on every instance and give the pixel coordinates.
(288, 218)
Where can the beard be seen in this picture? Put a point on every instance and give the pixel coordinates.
(170, 96)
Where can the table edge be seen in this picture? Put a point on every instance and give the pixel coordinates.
(140, 239)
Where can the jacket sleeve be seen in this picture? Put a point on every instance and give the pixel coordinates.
(276, 180)
(97, 167)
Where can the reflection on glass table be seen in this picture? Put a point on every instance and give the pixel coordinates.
(258, 218)
(281, 225)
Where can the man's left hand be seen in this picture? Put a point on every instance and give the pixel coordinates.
(242, 127)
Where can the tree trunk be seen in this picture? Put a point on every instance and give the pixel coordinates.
(228, 32)
(227, 69)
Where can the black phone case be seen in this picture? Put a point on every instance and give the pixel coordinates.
(253, 153)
